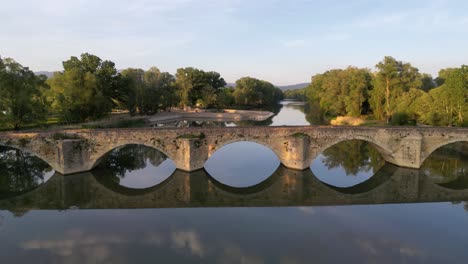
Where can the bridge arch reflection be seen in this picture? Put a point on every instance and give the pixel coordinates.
(448, 166)
(149, 147)
(21, 171)
(234, 164)
(347, 163)
(438, 144)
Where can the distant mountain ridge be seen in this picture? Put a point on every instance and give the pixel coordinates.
(293, 86)
(282, 87)
(46, 73)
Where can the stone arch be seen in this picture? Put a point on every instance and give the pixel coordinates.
(250, 190)
(375, 183)
(49, 159)
(101, 154)
(384, 151)
(127, 191)
(220, 143)
(434, 145)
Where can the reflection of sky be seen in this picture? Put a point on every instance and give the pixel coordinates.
(337, 176)
(290, 116)
(149, 176)
(409, 233)
(242, 164)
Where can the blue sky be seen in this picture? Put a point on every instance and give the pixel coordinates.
(283, 42)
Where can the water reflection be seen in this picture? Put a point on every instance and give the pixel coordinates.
(135, 166)
(347, 163)
(291, 114)
(448, 166)
(242, 164)
(20, 171)
(285, 187)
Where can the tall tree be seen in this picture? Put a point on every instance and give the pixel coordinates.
(256, 93)
(428, 82)
(197, 85)
(341, 92)
(149, 91)
(456, 87)
(85, 89)
(392, 79)
(20, 96)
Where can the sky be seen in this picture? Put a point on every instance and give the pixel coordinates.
(283, 42)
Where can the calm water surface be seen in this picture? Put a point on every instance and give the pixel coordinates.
(245, 207)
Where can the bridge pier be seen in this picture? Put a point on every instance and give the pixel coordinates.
(294, 153)
(407, 153)
(192, 154)
(72, 156)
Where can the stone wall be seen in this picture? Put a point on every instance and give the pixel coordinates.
(73, 151)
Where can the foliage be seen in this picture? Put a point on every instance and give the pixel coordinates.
(341, 92)
(296, 94)
(256, 93)
(147, 92)
(194, 84)
(21, 100)
(392, 80)
(85, 89)
(399, 119)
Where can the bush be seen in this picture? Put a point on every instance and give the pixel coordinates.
(399, 119)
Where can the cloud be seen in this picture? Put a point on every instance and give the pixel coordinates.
(435, 15)
(234, 254)
(189, 240)
(79, 247)
(385, 249)
(307, 210)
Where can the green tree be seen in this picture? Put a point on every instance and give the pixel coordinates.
(392, 79)
(428, 82)
(148, 91)
(196, 85)
(86, 89)
(256, 93)
(456, 89)
(341, 92)
(20, 94)
(443, 74)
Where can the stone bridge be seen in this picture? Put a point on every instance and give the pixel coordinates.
(285, 187)
(74, 151)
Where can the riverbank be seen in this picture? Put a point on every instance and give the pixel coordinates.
(116, 120)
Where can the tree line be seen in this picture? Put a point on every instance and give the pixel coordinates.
(89, 88)
(396, 93)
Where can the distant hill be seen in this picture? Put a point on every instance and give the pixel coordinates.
(284, 87)
(46, 73)
(293, 86)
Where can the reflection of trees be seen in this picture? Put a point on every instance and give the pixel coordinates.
(353, 156)
(314, 114)
(448, 164)
(20, 171)
(129, 158)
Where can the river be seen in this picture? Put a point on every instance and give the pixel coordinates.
(244, 207)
